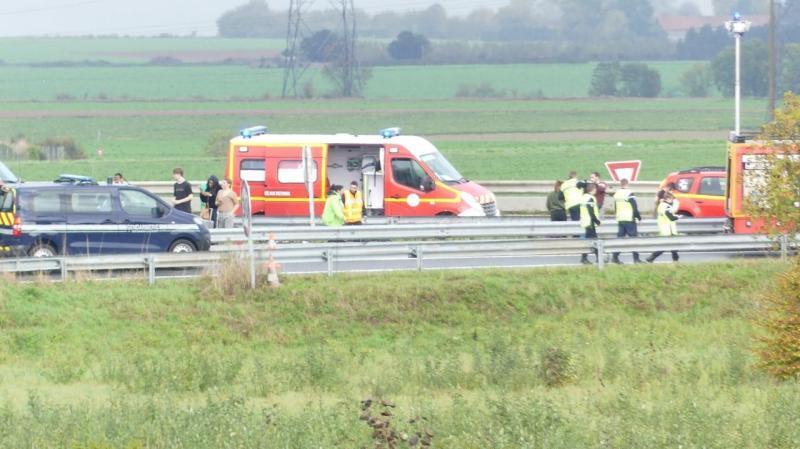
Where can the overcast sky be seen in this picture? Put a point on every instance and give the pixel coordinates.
(150, 17)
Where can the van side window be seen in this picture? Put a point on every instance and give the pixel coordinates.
(134, 202)
(91, 202)
(291, 172)
(46, 202)
(253, 170)
(7, 201)
(712, 186)
(408, 172)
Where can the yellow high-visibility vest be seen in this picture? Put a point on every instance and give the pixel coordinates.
(666, 227)
(353, 207)
(624, 208)
(588, 201)
(572, 194)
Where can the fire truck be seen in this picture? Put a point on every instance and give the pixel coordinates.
(747, 167)
(399, 176)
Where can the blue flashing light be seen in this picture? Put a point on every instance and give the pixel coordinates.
(388, 133)
(737, 17)
(253, 131)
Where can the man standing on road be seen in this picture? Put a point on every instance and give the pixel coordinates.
(226, 202)
(572, 196)
(627, 211)
(600, 193)
(555, 204)
(667, 223)
(590, 218)
(353, 205)
(182, 191)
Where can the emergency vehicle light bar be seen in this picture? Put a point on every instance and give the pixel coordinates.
(388, 133)
(253, 131)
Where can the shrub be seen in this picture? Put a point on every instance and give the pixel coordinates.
(639, 80)
(606, 77)
(556, 367)
(484, 90)
(696, 81)
(61, 148)
(408, 46)
(780, 353)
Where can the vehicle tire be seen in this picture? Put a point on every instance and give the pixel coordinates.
(683, 214)
(182, 246)
(445, 214)
(42, 250)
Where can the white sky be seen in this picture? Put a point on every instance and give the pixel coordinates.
(150, 17)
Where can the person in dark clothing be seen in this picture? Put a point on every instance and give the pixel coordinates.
(555, 204)
(590, 218)
(208, 197)
(182, 192)
(600, 192)
(627, 211)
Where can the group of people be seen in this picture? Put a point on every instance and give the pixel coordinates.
(343, 207)
(582, 200)
(218, 200)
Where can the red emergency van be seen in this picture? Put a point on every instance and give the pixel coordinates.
(748, 163)
(399, 175)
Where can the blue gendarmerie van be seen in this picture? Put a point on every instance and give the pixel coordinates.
(45, 220)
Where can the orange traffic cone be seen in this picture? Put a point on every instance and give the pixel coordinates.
(272, 273)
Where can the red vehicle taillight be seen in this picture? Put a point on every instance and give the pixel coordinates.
(16, 230)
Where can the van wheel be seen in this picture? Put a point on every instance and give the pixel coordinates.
(182, 246)
(42, 250)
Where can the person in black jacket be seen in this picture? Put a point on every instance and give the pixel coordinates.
(208, 197)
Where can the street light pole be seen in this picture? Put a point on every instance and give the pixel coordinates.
(737, 27)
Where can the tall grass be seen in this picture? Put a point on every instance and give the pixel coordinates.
(629, 357)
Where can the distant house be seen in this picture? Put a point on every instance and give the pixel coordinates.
(676, 27)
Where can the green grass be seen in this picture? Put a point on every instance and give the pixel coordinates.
(27, 50)
(230, 82)
(180, 139)
(650, 357)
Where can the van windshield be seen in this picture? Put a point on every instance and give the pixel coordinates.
(442, 167)
(6, 175)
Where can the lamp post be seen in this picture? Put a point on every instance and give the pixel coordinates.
(737, 27)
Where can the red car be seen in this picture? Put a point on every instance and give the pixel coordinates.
(700, 191)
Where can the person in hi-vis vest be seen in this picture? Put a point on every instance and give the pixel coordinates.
(573, 192)
(353, 205)
(667, 223)
(627, 211)
(590, 218)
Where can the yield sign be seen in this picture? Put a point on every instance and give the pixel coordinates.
(624, 170)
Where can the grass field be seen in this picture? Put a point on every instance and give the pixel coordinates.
(169, 134)
(631, 357)
(235, 82)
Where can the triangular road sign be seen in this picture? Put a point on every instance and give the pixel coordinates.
(624, 170)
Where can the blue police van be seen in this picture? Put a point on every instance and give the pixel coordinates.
(83, 218)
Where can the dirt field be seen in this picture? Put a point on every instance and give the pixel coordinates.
(194, 56)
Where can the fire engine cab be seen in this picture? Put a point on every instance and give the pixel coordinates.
(748, 164)
(398, 175)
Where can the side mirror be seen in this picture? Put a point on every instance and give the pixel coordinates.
(427, 184)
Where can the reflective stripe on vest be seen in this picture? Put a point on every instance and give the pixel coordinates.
(587, 201)
(353, 207)
(572, 194)
(666, 227)
(623, 207)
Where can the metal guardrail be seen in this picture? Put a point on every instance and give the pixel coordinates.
(331, 254)
(491, 228)
(512, 196)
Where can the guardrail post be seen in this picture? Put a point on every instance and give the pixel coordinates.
(784, 247)
(151, 270)
(418, 253)
(601, 254)
(328, 256)
(63, 265)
